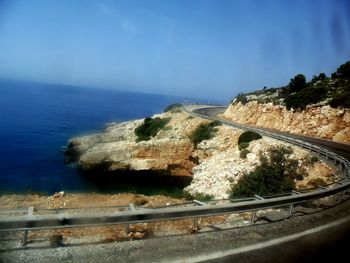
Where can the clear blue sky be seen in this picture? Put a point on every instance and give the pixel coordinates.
(205, 48)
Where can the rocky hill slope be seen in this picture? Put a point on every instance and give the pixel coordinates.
(318, 121)
(170, 152)
(319, 107)
(214, 164)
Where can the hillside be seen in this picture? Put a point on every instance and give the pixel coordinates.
(181, 149)
(299, 93)
(319, 107)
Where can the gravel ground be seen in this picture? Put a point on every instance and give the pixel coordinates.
(162, 249)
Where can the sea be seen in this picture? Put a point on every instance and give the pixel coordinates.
(37, 120)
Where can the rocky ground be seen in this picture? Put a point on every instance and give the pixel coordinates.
(316, 120)
(216, 175)
(176, 246)
(214, 164)
(69, 203)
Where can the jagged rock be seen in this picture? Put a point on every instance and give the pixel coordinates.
(318, 121)
(318, 174)
(170, 152)
(58, 194)
(215, 164)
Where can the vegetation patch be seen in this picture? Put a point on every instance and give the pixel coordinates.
(243, 154)
(175, 107)
(243, 145)
(242, 98)
(248, 136)
(314, 159)
(150, 127)
(299, 93)
(310, 94)
(204, 132)
(275, 174)
(198, 196)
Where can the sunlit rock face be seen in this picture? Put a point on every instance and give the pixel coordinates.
(319, 121)
(214, 165)
(170, 151)
(219, 173)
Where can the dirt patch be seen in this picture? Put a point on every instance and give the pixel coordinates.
(62, 203)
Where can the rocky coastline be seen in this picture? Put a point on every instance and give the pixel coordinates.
(212, 166)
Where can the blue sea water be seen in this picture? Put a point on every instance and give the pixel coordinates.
(37, 120)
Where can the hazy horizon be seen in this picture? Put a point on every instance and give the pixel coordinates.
(201, 49)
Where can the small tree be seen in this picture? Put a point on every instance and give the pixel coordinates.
(322, 76)
(248, 136)
(297, 83)
(203, 132)
(173, 107)
(344, 71)
(275, 174)
(149, 128)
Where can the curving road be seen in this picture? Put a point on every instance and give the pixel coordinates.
(339, 148)
(315, 246)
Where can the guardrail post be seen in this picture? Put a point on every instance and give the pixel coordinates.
(195, 220)
(252, 219)
(195, 223)
(291, 206)
(126, 226)
(290, 210)
(25, 237)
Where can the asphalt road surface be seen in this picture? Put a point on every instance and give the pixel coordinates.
(339, 148)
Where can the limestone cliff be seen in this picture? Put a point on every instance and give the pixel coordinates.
(169, 152)
(216, 175)
(319, 121)
(214, 165)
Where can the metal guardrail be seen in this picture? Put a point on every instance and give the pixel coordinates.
(199, 209)
(320, 151)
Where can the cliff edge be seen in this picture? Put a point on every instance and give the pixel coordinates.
(318, 121)
(214, 164)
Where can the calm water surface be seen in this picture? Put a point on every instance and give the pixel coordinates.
(38, 119)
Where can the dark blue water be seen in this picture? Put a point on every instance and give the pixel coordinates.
(38, 119)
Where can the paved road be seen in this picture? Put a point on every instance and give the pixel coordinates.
(339, 148)
(321, 246)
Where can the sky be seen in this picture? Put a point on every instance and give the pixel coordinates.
(193, 48)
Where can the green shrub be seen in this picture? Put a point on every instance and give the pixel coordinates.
(275, 174)
(314, 159)
(242, 98)
(309, 95)
(198, 196)
(149, 128)
(344, 71)
(248, 136)
(175, 107)
(204, 132)
(243, 145)
(297, 83)
(243, 153)
(340, 100)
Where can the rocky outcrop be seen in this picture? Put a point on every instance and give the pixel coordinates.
(170, 152)
(217, 174)
(215, 164)
(319, 121)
